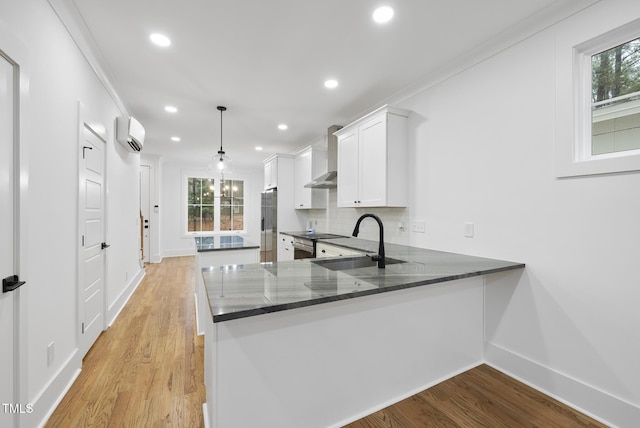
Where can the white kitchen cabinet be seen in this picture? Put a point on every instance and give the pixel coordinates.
(285, 247)
(310, 163)
(328, 250)
(271, 172)
(373, 160)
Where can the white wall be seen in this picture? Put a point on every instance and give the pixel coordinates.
(58, 78)
(342, 221)
(172, 237)
(483, 148)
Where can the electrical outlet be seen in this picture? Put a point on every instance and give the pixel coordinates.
(50, 353)
(418, 226)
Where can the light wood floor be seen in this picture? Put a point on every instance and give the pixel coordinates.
(147, 371)
(481, 397)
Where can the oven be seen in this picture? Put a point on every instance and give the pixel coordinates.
(304, 244)
(303, 248)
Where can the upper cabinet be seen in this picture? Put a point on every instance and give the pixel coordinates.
(310, 163)
(278, 169)
(271, 172)
(372, 160)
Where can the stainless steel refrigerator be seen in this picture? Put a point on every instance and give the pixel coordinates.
(269, 226)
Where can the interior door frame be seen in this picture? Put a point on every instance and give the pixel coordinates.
(85, 119)
(146, 192)
(16, 52)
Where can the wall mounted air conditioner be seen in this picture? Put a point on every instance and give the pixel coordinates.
(130, 133)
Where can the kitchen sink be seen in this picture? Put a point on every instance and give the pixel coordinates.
(347, 263)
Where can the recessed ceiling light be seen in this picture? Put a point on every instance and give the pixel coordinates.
(382, 14)
(258, 148)
(176, 139)
(283, 127)
(331, 83)
(170, 109)
(160, 39)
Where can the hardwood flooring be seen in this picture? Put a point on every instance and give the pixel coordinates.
(147, 371)
(480, 397)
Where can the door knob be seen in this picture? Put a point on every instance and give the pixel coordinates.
(104, 245)
(10, 283)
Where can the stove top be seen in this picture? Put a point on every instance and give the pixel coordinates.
(327, 236)
(315, 236)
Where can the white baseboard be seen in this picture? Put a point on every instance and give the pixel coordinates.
(597, 404)
(205, 415)
(195, 302)
(180, 252)
(45, 403)
(123, 298)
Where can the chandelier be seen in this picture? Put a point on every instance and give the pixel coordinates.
(221, 163)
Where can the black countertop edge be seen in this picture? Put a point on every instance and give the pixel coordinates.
(327, 299)
(299, 233)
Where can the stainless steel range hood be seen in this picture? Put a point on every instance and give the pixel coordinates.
(325, 181)
(328, 180)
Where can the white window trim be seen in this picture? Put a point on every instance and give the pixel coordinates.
(573, 101)
(183, 204)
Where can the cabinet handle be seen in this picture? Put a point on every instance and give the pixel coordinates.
(323, 251)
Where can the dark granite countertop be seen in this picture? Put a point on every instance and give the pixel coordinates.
(223, 242)
(254, 289)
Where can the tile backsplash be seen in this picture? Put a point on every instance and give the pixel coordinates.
(342, 221)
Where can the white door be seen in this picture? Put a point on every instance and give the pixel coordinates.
(145, 210)
(8, 244)
(92, 228)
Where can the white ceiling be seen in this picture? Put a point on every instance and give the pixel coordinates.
(266, 61)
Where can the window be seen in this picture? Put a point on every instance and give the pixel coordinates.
(214, 205)
(200, 204)
(232, 205)
(597, 99)
(615, 99)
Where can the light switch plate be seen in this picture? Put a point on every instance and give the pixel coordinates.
(468, 230)
(418, 226)
(50, 353)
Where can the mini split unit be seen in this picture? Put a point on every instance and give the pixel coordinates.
(130, 133)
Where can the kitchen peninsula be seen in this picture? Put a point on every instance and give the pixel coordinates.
(311, 343)
(219, 250)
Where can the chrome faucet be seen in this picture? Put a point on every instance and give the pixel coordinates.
(380, 256)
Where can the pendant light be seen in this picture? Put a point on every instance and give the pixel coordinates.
(220, 163)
